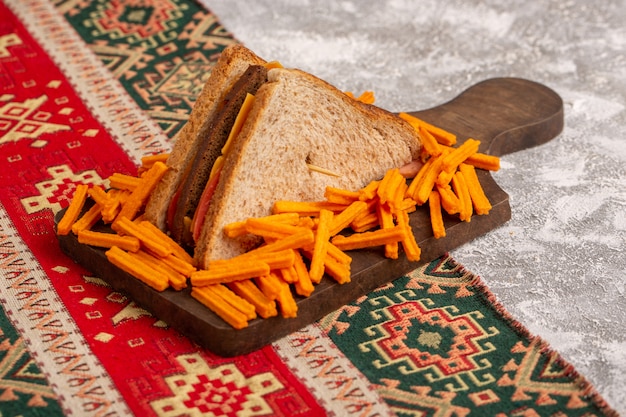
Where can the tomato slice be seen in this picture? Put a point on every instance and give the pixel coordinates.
(203, 205)
(171, 210)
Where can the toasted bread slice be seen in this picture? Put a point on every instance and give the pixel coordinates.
(297, 120)
(234, 61)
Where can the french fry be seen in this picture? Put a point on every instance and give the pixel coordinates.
(270, 229)
(303, 285)
(123, 181)
(479, 199)
(98, 195)
(428, 181)
(234, 271)
(409, 244)
(125, 226)
(320, 247)
(88, 219)
(365, 223)
(304, 208)
(176, 280)
(388, 188)
(246, 289)
(288, 306)
(369, 239)
(340, 196)
(136, 268)
(385, 217)
(449, 201)
(234, 300)
(343, 219)
(340, 272)
(179, 265)
(113, 204)
(369, 191)
(219, 306)
(148, 161)
(484, 161)
(107, 240)
(289, 275)
(430, 144)
(140, 194)
(269, 284)
(296, 241)
(443, 137)
(158, 234)
(459, 186)
(436, 218)
(452, 160)
(419, 178)
(73, 210)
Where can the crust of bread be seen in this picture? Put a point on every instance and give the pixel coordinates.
(298, 119)
(233, 62)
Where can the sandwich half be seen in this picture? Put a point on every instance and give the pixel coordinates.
(294, 136)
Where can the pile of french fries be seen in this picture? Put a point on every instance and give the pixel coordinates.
(301, 241)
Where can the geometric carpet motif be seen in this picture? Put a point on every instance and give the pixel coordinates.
(161, 51)
(438, 341)
(24, 389)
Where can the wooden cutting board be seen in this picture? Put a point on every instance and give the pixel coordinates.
(505, 114)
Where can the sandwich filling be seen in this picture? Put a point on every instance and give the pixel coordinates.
(190, 203)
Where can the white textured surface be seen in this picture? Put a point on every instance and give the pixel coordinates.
(559, 265)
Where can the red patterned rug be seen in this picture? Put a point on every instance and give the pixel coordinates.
(89, 87)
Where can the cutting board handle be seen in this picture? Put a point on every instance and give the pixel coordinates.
(506, 114)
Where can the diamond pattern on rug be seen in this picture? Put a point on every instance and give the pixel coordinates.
(438, 341)
(161, 51)
(24, 389)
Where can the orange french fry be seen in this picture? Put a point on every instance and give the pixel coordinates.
(299, 240)
(459, 186)
(369, 191)
(320, 247)
(125, 226)
(385, 217)
(443, 137)
(73, 210)
(452, 160)
(428, 181)
(365, 223)
(107, 240)
(123, 181)
(409, 244)
(252, 294)
(137, 268)
(436, 218)
(304, 208)
(229, 272)
(176, 280)
(219, 306)
(484, 161)
(270, 229)
(269, 284)
(340, 196)
(449, 201)
(479, 199)
(88, 219)
(288, 306)
(303, 285)
(369, 239)
(234, 300)
(343, 219)
(430, 144)
(161, 236)
(98, 195)
(149, 160)
(140, 194)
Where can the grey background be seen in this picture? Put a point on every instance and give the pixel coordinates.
(559, 265)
